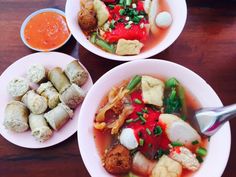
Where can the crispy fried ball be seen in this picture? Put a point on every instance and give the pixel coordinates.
(118, 160)
(87, 19)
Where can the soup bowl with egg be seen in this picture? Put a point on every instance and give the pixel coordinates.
(124, 29)
(136, 121)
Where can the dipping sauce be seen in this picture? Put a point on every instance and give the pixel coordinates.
(46, 30)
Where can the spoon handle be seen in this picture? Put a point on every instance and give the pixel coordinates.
(226, 113)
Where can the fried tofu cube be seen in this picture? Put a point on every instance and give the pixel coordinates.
(128, 47)
(101, 11)
(152, 90)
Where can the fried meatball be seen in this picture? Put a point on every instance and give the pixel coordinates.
(87, 19)
(118, 160)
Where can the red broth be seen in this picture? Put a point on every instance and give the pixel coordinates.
(104, 140)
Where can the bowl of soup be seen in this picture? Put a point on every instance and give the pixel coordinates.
(136, 121)
(45, 30)
(124, 29)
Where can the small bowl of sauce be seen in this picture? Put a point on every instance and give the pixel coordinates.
(45, 30)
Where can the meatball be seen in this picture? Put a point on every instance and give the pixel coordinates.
(118, 160)
(87, 19)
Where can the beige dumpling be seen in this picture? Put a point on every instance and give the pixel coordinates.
(17, 87)
(166, 167)
(152, 90)
(36, 73)
(128, 47)
(101, 11)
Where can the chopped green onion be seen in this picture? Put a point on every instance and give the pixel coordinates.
(106, 46)
(121, 20)
(122, 11)
(111, 6)
(142, 119)
(128, 2)
(172, 94)
(121, 2)
(93, 38)
(135, 120)
(129, 121)
(172, 82)
(137, 101)
(148, 131)
(142, 12)
(134, 5)
(195, 142)
(128, 26)
(134, 82)
(136, 19)
(157, 130)
(149, 145)
(140, 16)
(183, 117)
(139, 113)
(199, 158)
(141, 141)
(201, 151)
(140, 134)
(144, 110)
(176, 143)
(112, 24)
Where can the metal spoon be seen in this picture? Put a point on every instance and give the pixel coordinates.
(209, 120)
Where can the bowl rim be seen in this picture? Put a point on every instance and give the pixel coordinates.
(97, 51)
(101, 81)
(29, 17)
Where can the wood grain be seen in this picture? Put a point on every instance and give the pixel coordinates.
(207, 46)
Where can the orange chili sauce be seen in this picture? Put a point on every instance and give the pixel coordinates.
(46, 30)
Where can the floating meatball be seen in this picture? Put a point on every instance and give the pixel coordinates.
(87, 19)
(16, 116)
(118, 160)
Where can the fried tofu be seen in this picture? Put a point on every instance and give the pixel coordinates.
(128, 47)
(101, 11)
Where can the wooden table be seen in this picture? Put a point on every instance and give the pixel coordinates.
(206, 46)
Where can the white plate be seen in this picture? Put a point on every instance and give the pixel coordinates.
(49, 60)
(178, 10)
(219, 145)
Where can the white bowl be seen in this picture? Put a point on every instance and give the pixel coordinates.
(29, 18)
(178, 10)
(219, 145)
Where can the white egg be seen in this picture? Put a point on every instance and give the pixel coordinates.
(128, 139)
(163, 19)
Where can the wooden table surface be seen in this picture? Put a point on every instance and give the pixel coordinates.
(207, 46)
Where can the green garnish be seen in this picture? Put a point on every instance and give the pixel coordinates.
(172, 82)
(195, 142)
(135, 120)
(139, 113)
(134, 82)
(121, 2)
(201, 151)
(129, 121)
(111, 6)
(127, 26)
(149, 145)
(142, 13)
(106, 46)
(112, 24)
(128, 2)
(176, 143)
(121, 20)
(161, 152)
(172, 94)
(148, 131)
(141, 141)
(199, 158)
(137, 101)
(144, 110)
(183, 117)
(157, 130)
(136, 20)
(142, 119)
(93, 38)
(140, 134)
(122, 11)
